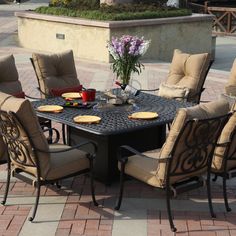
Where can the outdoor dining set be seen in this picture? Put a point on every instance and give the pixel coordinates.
(170, 140)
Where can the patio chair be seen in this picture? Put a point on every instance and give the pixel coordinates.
(224, 158)
(56, 73)
(9, 78)
(183, 159)
(230, 87)
(30, 153)
(10, 84)
(186, 77)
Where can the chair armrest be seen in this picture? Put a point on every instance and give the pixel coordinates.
(34, 98)
(46, 95)
(50, 131)
(148, 90)
(72, 148)
(128, 149)
(203, 101)
(222, 144)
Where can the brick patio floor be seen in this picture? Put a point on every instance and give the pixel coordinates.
(69, 211)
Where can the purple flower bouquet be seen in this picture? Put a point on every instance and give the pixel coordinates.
(126, 52)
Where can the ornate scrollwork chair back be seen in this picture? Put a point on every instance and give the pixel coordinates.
(20, 148)
(224, 158)
(30, 152)
(194, 147)
(184, 158)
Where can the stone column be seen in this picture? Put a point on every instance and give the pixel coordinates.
(112, 2)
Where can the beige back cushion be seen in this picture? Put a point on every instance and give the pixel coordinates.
(55, 70)
(9, 82)
(230, 87)
(220, 152)
(28, 118)
(188, 71)
(202, 111)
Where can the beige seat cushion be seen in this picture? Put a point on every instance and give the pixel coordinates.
(173, 91)
(188, 71)
(144, 169)
(231, 100)
(9, 82)
(66, 163)
(27, 117)
(230, 87)
(148, 170)
(55, 70)
(220, 152)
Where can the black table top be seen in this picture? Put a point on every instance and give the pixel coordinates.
(115, 119)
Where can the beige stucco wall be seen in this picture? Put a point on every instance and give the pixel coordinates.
(192, 37)
(85, 41)
(88, 38)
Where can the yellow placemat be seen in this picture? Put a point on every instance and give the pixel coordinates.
(50, 108)
(85, 119)
(143, 115)
(71, 95)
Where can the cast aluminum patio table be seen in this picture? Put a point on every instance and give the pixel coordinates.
(116, 128)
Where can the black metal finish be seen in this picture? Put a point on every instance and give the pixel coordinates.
(22, 152)
(115, 120)
(229, 155)
(8, 182)
(116, 129)
(197, 96)
(191, 157)
(105, 166)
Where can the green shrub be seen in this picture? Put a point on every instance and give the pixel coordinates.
(76, 4)
(151, 2)
(106, 15)
(121, 8)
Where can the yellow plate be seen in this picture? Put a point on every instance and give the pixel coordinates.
(71, 95)
(87, 119)
(143, 115)
(50, 108)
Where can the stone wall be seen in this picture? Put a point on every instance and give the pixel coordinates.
(88, 39)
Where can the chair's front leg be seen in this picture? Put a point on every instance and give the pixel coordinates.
(8, 183)
(92, 182)
(122, 173)
(208, 181)
(225, 193)
(38, 187)
(168, 196)
(215, 178)
(64, 133)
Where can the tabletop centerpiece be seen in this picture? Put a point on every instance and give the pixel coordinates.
(126, 52)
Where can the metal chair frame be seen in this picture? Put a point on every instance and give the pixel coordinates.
(225, 174)
(9, 129)
(204, 141)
